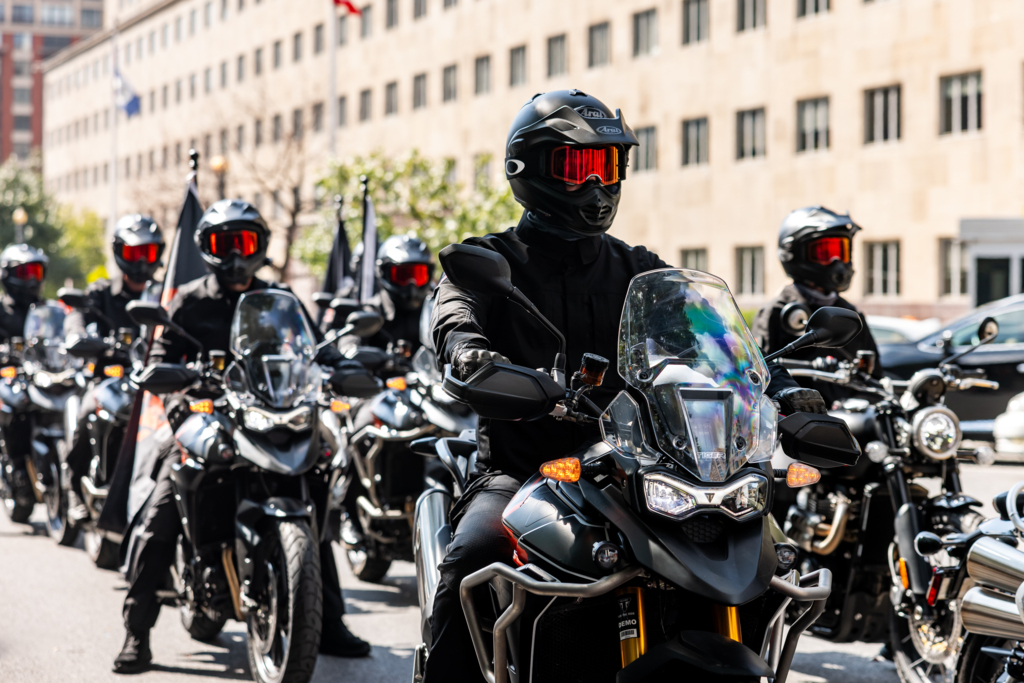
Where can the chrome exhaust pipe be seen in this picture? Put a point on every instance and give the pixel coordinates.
(988, 613)
(994, 564)
(431, 535)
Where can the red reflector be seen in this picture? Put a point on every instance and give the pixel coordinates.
(577, 165)
(825, 250)
(145, 252)
(933, 588)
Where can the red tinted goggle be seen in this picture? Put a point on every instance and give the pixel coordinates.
(410, 274)
(577, 165)
(146, 252)
(29, 271)
(825, 250)
(242, 242)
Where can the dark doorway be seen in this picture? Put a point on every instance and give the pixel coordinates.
(993, 279)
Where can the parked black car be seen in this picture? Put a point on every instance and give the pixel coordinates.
(1002, 360)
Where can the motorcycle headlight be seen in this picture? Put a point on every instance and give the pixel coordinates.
(667, 495)
(937, 432)
(257, 420)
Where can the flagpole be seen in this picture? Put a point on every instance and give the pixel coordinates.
(112, 219)
(332, 75)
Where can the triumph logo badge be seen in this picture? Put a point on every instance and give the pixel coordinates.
(609, 130)
(591, 113)
(710, 496)
(514, 167)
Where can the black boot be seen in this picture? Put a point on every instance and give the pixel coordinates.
(135, 655)
(338, 641)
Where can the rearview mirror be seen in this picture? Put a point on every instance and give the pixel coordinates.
(364, 323)
(477, 269)
(833, 327)
(87, 347)
(988, 330)
(147, 313)
(322, 299)
(75, 298)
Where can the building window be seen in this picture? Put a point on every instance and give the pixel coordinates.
(177, 91)
(223, 10)
(749, 14)
(224, 141)
(223, 74)
(882, 114)
(23, 14)
(318, 39)
(278, 128)
(208, 79)
(164, 96)
(257, 132)
(953, 264)
(961, 103)
(419, 8)
(257, 61)
(342, 29)
(278, 49)
(318, 117)
(22, 67)
(297, 124)
(598, 45)
(695, 259)
(419, 91)
(391, 98)
(883, 275)
(241, 68)
(556, 56)
(695, 143)
(297, 47)
(750, 271)
(342, 111)
(239, 138)
(22, 123)
(517, 66)
(645, 33)
(391, 12)
(812, 124)
(450, 86)
(365, 102)
(647, 151)
(366, 22)
(695, 21)
(482, 75)
(805, 7)
(92, 18)
(750, 134)
(450, 3)
(193, 22)
(208, 14)
(192, 86)
(23, 95)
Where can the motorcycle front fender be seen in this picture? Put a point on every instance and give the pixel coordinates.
(250, 518)
(692, 651)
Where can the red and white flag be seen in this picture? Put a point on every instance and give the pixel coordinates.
(347, 4)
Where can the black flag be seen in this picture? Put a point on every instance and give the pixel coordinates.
(339, 266)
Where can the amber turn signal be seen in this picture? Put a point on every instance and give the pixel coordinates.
(114, 371)
(800, 474)
(563, 469)
(904, 576)
(339, 406)
(10, 372)
(397, 383)
(204, 406)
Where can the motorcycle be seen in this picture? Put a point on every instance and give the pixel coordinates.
(861, 522)
(35, 387)
(106, 361)
(251, 483)
(648, 554)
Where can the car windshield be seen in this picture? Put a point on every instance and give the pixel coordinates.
(685, 346)
(274, 343)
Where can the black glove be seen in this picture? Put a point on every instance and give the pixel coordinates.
(800, 400)
(470, 359)
(330, 356)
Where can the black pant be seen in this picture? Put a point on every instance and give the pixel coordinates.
(479, 540)
(81, 453)
(161, 528)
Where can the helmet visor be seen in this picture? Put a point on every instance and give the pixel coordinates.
(409, 273)
(29, 271)
(224, 244)
(577, 165)
(146, 253)
(825, 250)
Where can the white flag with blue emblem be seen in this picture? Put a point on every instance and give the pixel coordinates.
(127, 99)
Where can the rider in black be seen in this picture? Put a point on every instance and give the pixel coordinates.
(566, 156)
(138, 245)
(233, 239)
(22, 272)
(815, 247)
(405, 269)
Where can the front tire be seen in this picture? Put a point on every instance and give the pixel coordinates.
(284, 631)
(56, 500)
(366, 564)
(104, 553)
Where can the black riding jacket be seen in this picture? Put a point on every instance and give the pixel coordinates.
(12, 318)
(580, 287)
(111, 298)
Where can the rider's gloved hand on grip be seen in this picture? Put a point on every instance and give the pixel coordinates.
(470, 359)
(800, 400)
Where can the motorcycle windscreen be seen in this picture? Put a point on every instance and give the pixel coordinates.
(44, 333)
(273, 342)
(684, 345)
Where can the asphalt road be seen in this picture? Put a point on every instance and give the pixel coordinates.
(60, 621)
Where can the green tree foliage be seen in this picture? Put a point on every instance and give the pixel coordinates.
(73, 243)
(411, 194)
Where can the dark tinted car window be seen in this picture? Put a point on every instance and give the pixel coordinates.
(1011, 330)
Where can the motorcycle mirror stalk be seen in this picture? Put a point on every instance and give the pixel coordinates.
(152, 314)
(828, 327)
(487, 272)
(359, 323)
(76, 298)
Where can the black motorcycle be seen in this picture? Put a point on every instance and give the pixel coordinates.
(861, 522)
(251, 483)
(650, 554)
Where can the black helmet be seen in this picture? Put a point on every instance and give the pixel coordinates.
(568, 139)
(815, 247)
(22, 270)
(405, 268)
(233, 238)
(138, 246)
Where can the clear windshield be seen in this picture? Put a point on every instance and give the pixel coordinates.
(685, 346)
(274, 344)
(44, 332)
